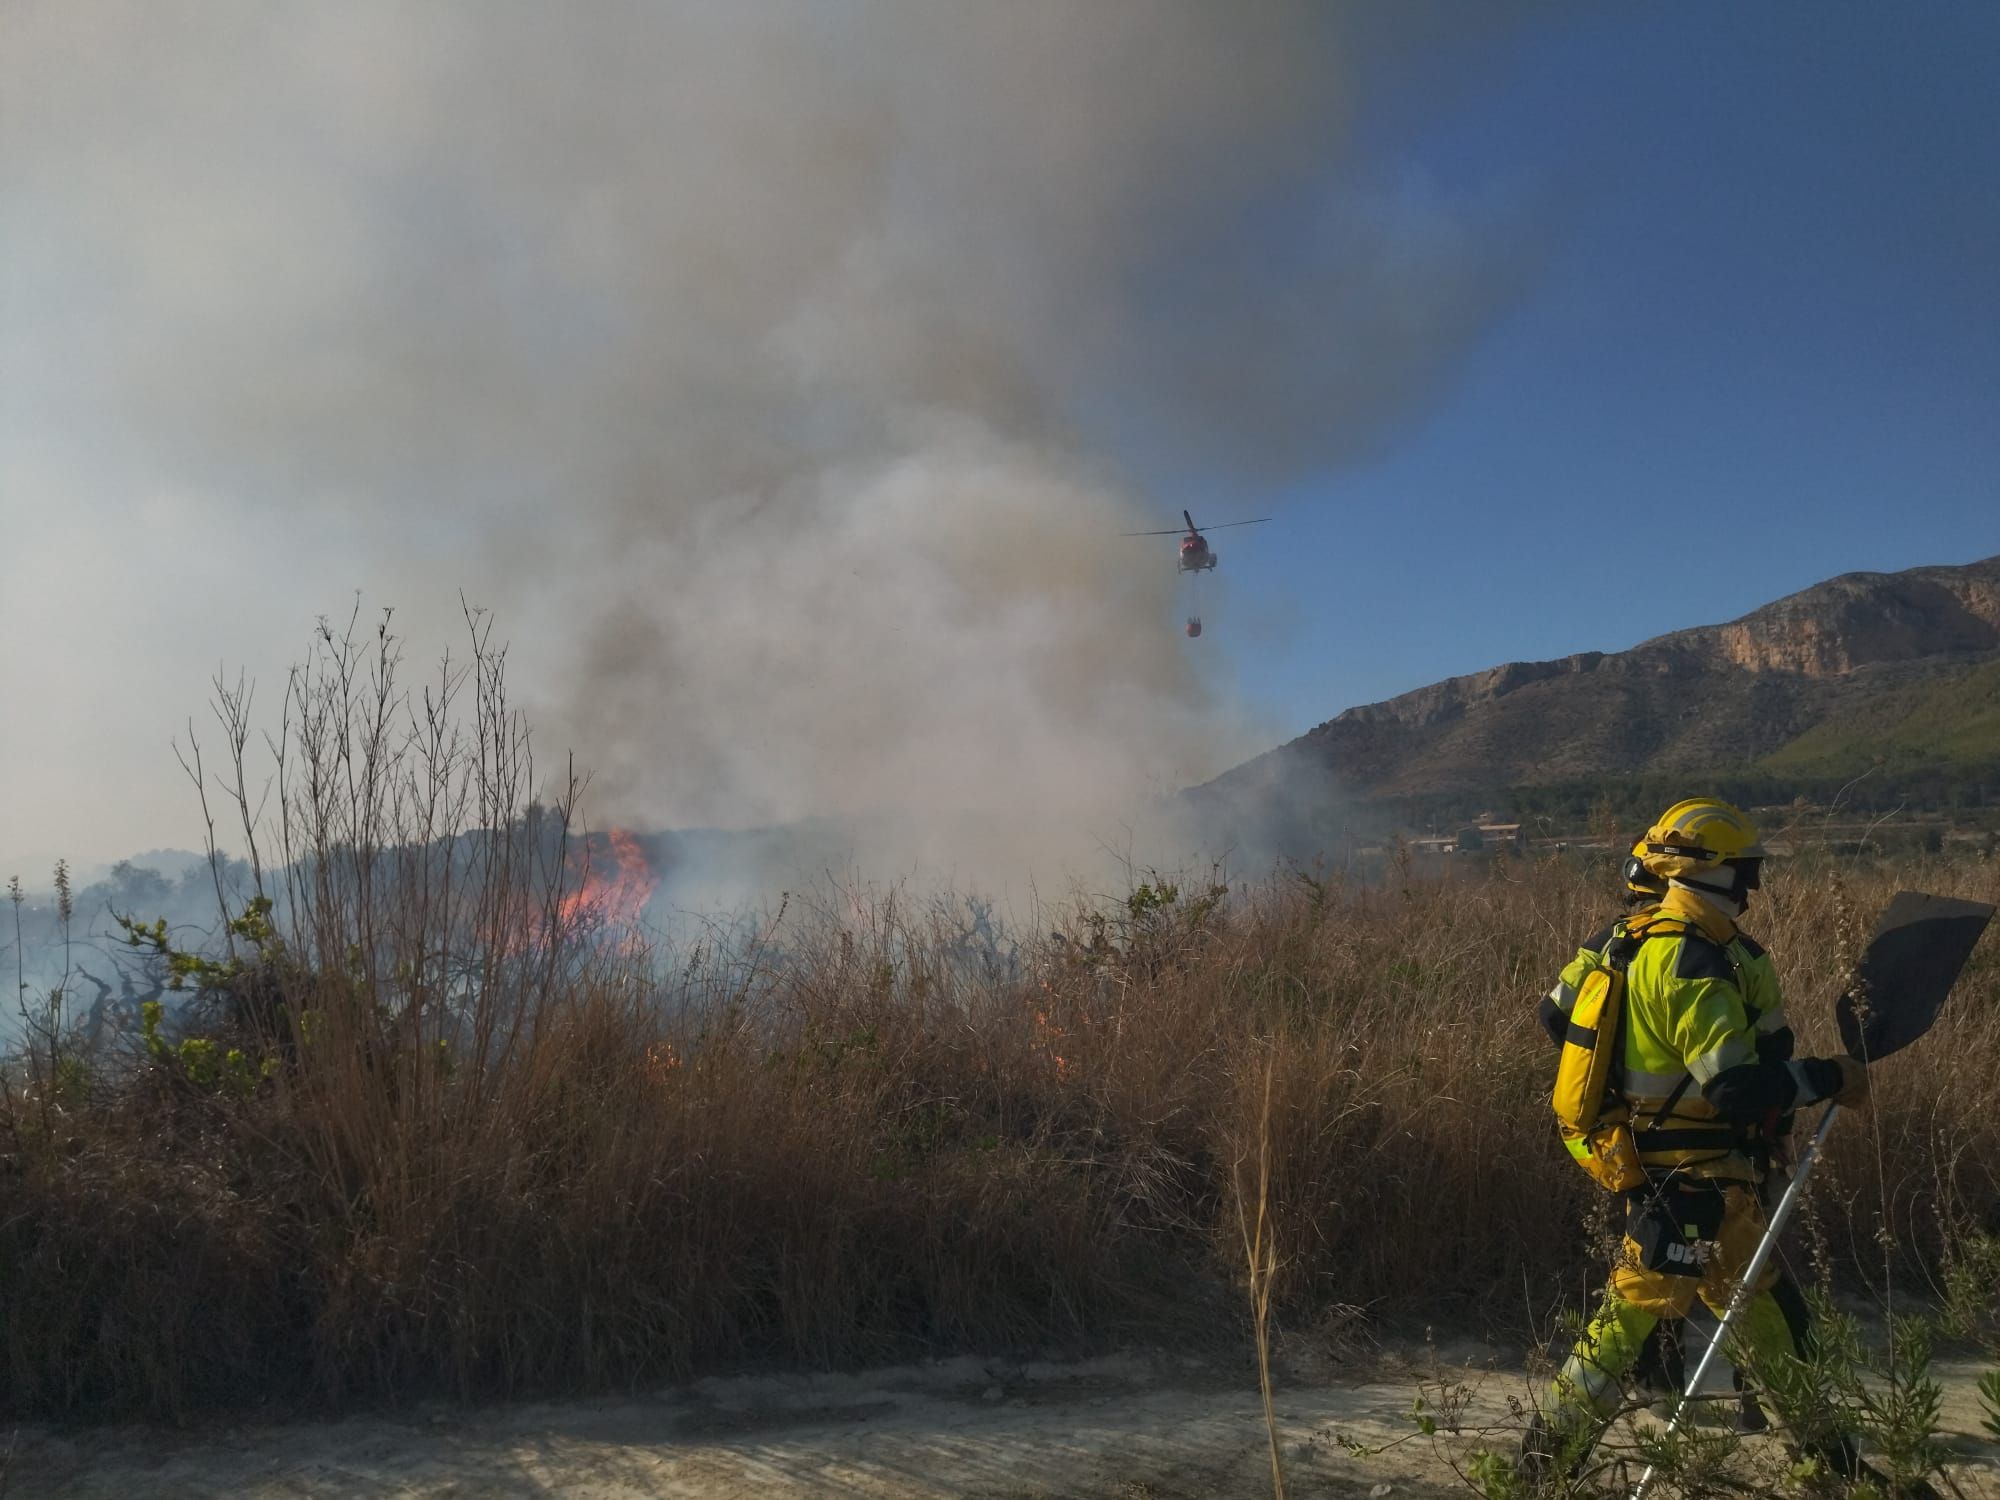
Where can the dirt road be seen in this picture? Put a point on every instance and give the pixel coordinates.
(1136, 1427)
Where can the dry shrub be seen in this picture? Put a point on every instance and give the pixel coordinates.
(1924, 1171)
(488, 1155)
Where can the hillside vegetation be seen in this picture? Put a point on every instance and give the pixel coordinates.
(1949, 719)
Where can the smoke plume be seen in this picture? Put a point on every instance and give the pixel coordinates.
(781, 373)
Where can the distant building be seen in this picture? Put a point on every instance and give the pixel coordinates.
(1472, 838)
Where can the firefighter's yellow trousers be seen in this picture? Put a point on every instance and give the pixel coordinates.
(1588, 1384)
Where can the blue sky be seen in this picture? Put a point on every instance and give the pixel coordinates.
(1763, 349)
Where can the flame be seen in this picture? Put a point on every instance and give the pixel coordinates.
(614, 897)
(1051, 1036)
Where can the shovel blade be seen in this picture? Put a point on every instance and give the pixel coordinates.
(1919, 949)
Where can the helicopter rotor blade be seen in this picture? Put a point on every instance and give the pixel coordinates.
(1192, 529)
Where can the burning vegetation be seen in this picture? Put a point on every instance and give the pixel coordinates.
(614, 882)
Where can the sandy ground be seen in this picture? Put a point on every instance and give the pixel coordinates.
(1136, 1427)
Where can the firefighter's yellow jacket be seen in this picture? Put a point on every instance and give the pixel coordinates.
(1702, 999)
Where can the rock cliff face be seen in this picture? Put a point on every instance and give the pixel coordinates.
(1700, 699)
(1862, 618)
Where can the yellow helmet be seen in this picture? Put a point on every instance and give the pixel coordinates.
(1695, 836)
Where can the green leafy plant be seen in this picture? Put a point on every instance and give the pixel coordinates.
(198, 1060)
(1903, 1413)
(260, 964)
(264, 947)
(1494, 1477)
(1971, 1303)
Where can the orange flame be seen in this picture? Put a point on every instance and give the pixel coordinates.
(610, 898)
(1052, 1036)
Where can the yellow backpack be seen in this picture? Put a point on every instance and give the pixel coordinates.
(1591, 1113)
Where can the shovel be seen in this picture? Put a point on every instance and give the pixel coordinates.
(1915, 957)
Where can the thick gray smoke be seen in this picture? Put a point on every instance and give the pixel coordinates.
(774, 370)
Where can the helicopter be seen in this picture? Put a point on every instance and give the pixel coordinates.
(1196, 556)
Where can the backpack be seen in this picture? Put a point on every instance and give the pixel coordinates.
(1591, 1115)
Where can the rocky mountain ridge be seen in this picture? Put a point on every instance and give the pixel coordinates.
(1700, 699)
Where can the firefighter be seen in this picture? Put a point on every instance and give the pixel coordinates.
(1697, 1084)
(1659, 1365)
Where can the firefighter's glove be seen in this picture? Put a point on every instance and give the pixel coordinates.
(1852, 1092)
(1844, 1080)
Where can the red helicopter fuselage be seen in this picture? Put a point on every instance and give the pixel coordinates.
(1196, 554)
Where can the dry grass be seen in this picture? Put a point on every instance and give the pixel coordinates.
(484, 1165)
(852, 1144)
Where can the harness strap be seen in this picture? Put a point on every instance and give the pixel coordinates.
(1665, 1111)
(1716, 1138)
(1626, 938)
